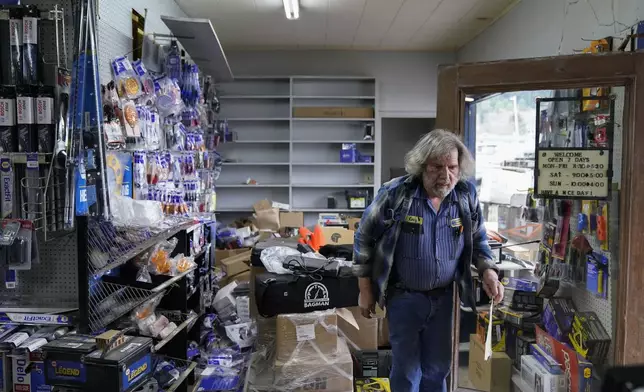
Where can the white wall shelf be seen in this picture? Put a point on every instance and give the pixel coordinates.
(333, 141)
(296, 161)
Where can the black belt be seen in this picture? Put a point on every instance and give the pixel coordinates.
(432, 293)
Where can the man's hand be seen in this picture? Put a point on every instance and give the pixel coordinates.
(493, 288)
(367, 303)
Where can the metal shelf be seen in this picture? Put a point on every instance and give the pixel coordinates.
(332, 185)
(173, 280)
(190, 320)
(255, 97)
(254, 142)
(258, 119)
(331, 164)
(366, 97)
(334, 141)
(356, 210)
(251, 186)
(109, 301)
(332, 119)
(255, 163)
(110, 247)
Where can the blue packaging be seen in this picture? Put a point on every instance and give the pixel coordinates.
(520, 284)
(548, 362)
(349, 153)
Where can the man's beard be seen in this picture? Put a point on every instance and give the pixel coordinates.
(442, 191)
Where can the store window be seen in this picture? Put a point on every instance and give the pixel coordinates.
(558, 240)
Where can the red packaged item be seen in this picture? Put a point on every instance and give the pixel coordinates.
(578, 371)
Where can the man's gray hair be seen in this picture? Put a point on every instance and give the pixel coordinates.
(436, 145)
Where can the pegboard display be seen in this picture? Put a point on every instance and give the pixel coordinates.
(115, 27)
(51, 283)
(606, 308)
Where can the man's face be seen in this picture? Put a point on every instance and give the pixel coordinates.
(441, 175)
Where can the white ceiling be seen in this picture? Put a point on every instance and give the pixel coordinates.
(437, 25)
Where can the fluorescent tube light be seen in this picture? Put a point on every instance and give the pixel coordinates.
(292, 9)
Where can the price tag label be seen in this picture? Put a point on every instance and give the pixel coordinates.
(32, 161)
(573, 174)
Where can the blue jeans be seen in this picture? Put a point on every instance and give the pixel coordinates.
(420, 333)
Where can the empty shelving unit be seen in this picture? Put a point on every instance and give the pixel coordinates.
(296, 160)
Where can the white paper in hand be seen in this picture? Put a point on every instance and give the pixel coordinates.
(488, 338)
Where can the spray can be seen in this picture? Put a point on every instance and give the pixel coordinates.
(8, 132)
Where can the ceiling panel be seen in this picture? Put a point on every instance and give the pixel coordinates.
(349, 24)
(378, 15)
(412, 16)
(343, 20)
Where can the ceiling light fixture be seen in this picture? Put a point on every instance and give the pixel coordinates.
(292, 9)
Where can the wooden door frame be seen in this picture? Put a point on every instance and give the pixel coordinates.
(566, 72)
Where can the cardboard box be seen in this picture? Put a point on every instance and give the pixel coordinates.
(333, 112)
(291, 219)
(237, 264)
(337, 236)
(353, 223)
(359, 332)
(493, 375)
(306, 335)
(332, 373)
(221, 254)
(578, 371)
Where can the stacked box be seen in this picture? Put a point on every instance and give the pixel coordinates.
(589, 337)
(545, 359)
(306, 335)
(557, 318)
(522, 348)
(522, 319)
(538, 378)
(522, 300)
(498, 331)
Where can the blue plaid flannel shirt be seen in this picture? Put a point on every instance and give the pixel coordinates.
(376, 237)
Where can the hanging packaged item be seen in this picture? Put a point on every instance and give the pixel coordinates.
(30, 63)
(18, 244)
(127, 81)
(8, 131)
(15, 45)
(25, 115)
(45, 118)
(7, 178)
(147, 82)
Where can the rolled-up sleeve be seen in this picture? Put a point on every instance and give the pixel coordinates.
(369, 231)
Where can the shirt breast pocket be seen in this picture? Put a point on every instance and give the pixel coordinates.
(450, 246)
(411, 239)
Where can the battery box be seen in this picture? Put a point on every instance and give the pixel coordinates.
(372, 363)
(522, 300)
(498, 331)
(28, 372)
(589, 338)
(525, 320)
(122, 369)
(557, 318)
(372, 384)
(523, 344)
(64, 360)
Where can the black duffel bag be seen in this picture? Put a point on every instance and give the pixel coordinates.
(283, 294)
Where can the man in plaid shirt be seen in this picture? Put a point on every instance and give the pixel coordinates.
(421, 234)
